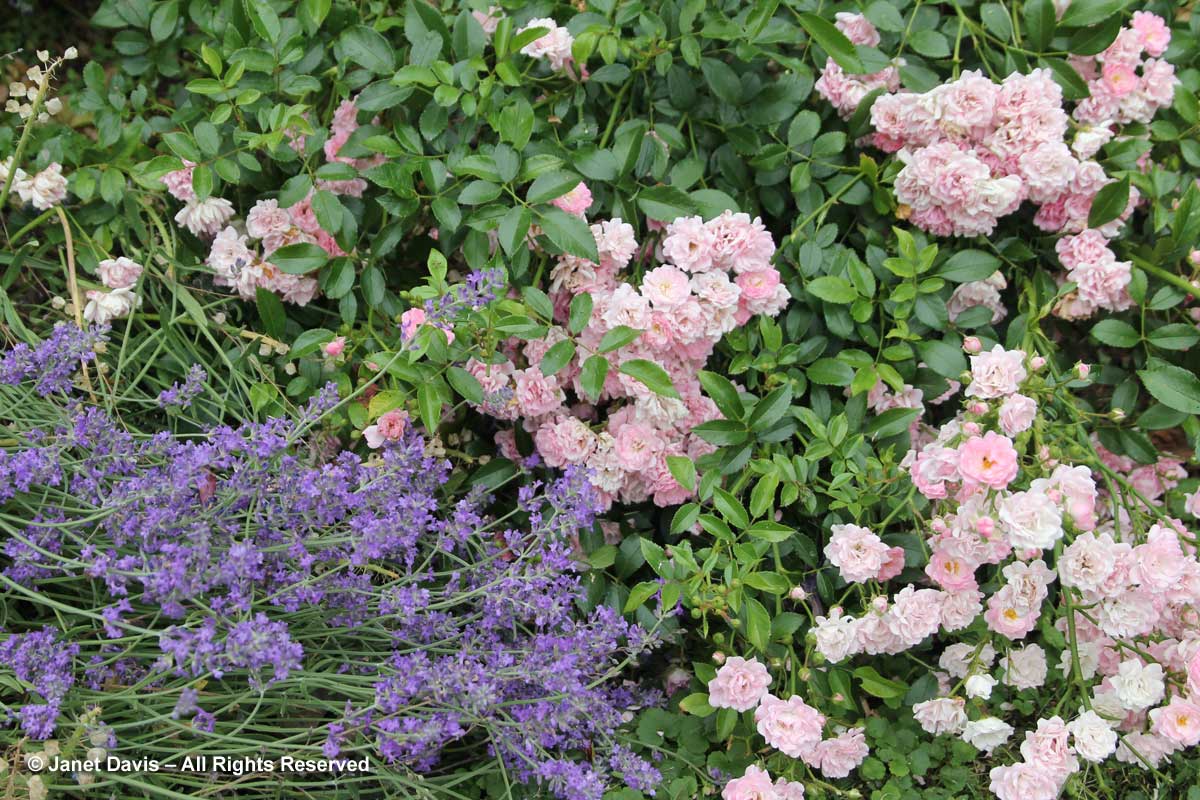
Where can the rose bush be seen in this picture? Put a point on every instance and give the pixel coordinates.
(611, 399)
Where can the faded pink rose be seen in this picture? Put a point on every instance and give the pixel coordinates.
(410, 320)
(755, 784)
(389, 427)
(996, 373)
(791, 726)
(1017, 413)
(839, 756)
(118, 273)
(1023, 781)
(576, 202)
(858, 554)
(740, 684)
(941, 715)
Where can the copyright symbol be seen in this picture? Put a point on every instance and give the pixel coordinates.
(35, 763)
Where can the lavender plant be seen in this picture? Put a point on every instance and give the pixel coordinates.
(234, 593)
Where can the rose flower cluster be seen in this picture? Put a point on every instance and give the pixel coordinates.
(1010, 522)
(791, 726)
(717, 275)
(975, 150)
(234, 261)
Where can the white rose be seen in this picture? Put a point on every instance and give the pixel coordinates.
(943, 715)
(1024, 668)
(986, 734)
(1031, 520)
(980, 686)
(1094, 738)
(1138, 686)
(103, 307)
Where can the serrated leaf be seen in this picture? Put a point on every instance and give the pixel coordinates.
(833, 42)
(683, 470)
(616, 338)
(299, 258)
(654, 377)
(466, 384)
(723, 393)
(557, 357)
(1173, 386)
(580, 313)
(832, 289)
(592, 375)
(367, 48)
(1109, 203)
(569, 233)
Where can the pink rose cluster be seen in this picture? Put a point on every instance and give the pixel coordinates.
(1124, 604)
(844, 92)
(717, 275)
(1101, 282)
(791, 726)
(239, 265)
(1128, 82)
(974, 151)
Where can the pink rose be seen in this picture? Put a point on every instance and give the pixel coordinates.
(666, 287)
(838, 756)
(951, 571)
(1017, 413)
(996, 373)
(336, 347)
(1048, 749)
(755, 784)
(758, 285)
(1023, 781)
(536, 393)
(740, 684)
(388, 428)
(689, 245)
(576, 202)
(119, 273)
(791, 726)
(856, 552)
(1178, 721)
(1153, 30)
(989, 460)
(637, 446)
(409, 322)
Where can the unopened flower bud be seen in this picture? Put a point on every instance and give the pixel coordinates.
(979, 407)
(971, 428)
(1118, 414)
(718, 657)
(971, 344)
(1083, 370)
(1037, 362)
(798, 594)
